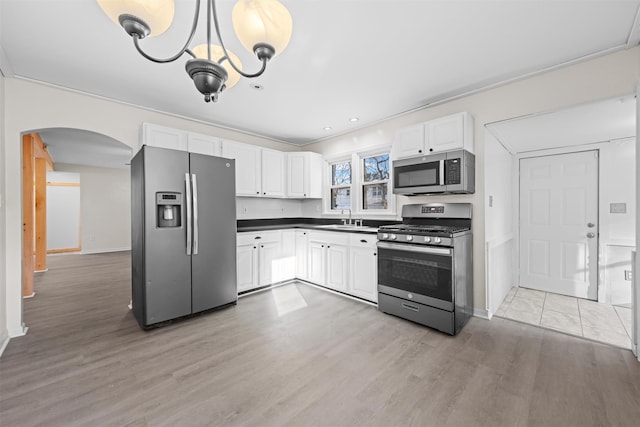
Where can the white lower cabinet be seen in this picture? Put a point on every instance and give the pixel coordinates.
(259, 259)
(329, 260)
(302, 254)
(363, 264)
(345, 262)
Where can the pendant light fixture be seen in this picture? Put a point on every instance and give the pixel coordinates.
(263, 27)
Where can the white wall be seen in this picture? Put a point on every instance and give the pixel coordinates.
(63, 211)
(612, 75)
(32, 106)
(105, 213)
(617, 230)
(4, 333)
(499, 232)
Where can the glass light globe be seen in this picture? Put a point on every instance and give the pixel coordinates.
(216, 53)
(262, 21)
(158, 14)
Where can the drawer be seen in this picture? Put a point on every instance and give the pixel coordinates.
(363, 240)
(441, 320)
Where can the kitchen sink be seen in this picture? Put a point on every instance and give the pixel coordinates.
(348, 227)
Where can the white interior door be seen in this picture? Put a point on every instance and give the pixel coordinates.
(559, 224)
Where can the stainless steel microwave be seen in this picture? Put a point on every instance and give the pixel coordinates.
(440, 173)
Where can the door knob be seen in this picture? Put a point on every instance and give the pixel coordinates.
(591, 235)
(590, 225)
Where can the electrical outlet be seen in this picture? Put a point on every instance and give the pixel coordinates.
(92, 238)
(627, 275)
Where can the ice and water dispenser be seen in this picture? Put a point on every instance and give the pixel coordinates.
(168, 209)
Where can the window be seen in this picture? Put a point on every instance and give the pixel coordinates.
(375, 182)
(341, 185)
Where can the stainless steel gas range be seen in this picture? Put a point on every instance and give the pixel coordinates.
(425, 267)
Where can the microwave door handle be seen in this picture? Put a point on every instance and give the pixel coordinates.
(442, 172)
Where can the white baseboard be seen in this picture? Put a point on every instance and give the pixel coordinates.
(18, 332)
(101, 251)
(482, 313)
(3, 342)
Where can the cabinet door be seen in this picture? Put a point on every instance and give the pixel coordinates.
(446, 133)
(288, 257)
(302, 251)
(315, 267)
(203, 144)
(409, 141)
(248, 167)
(247, 261)
(273, 173)
(270, 263)
(164, 137)
(314, 175)
(364, 273)
(337, 267)
(296, 176)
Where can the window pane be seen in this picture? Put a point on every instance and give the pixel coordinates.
(341, 173)
(376, 168)
(374, 196)
(340, 198)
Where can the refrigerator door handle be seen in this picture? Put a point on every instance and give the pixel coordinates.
(188, 203)
(195, 214)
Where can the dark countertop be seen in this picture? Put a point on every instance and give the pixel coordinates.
(320, 224)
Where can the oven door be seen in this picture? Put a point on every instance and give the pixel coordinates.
(423, 274)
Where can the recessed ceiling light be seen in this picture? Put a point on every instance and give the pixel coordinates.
(354, 119)
(256, 86)
(327, 128)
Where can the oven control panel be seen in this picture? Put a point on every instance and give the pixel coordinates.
(432, 209)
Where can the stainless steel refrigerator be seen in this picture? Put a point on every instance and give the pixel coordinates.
(183, 232)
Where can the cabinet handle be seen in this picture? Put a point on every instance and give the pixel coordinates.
(328, 246)
(265, 193)
(255, 247)
(257, 238)
(374, 254)
(430, 149)
(363, 241)
(257, 192)
(322, 246)
(419, 151)
(262, 246)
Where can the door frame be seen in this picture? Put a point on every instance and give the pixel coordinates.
(517, 201)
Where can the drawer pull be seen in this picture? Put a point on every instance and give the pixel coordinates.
(410, 307)
(363, 241)
(257, 237)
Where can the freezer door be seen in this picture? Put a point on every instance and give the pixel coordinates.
(213, 263)
(167, 289)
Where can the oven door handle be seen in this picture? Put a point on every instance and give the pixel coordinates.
(414, 248)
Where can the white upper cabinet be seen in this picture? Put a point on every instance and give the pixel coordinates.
(273, 173)
(409, 141)
(443, 134)
(164, 137)
(203, 144)
(177, 139)
(304, 175)
(248, 167)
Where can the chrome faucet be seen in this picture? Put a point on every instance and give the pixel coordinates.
(344, 221)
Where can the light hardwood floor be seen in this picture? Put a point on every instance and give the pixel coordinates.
(294, 356)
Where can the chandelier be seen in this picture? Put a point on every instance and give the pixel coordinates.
(263, 27)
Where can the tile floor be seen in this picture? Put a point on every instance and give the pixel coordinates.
(575, 316)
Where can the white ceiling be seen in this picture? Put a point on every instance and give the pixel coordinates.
(601, 121)
(372, 59)
(81, 147)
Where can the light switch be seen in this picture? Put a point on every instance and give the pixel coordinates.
(617, 207)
